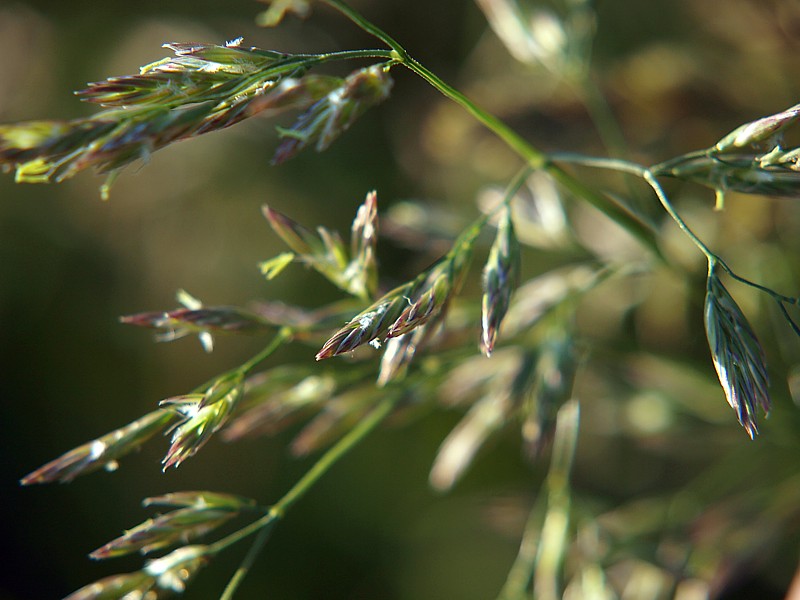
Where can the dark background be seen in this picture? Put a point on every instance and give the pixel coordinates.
(678, 74)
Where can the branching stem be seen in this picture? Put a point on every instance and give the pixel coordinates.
(276, 512)
(534, 157)
(650, 177)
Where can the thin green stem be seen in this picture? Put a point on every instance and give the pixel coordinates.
(664, 168)
(276, 512)
(515, 184)
(368, 26)
(247, 564)
(284, 335)
(364, 427)
(650, 176)
(624, 166)
(519, 576)
(534, 157)
(602, 116)
(352, 54)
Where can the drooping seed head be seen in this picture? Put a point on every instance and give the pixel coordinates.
(737, 354)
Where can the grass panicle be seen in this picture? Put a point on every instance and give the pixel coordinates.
(363, 268)
(355, 272)
(103, 452)
(200, 321)
(334, 114)
(737, 354)
(202, 88)
(200, 419)
(195, 515)
(752, 159)
(408, 306)
(159, 578)
(766, 129)
(529, 380)
(500, 277)
(369, 325)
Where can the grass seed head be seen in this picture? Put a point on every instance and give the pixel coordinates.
(195, 514)
(200, 420)
(500, 277)
(331, 116)
(737, 354)
(102, 452)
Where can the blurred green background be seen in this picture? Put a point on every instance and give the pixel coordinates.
(678, 75)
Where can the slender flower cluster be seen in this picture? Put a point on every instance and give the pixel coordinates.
(159, 578)
(195, 514)
(362, 272)
(203, 414)
(199, 320)
(202, 88)
(355, 272)
(407, 306)
(331, 116)
(750, 160)
(499, 280)
(102, 452)
(737, 354)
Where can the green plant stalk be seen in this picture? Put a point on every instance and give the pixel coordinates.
(283, 336)
(532, 155)
(277, 511)
(650, 176)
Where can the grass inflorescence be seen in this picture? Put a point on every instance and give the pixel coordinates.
(404, 342)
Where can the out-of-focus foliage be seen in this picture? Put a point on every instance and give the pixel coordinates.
(663, 481)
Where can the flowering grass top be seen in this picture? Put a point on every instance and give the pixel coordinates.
(202, 88)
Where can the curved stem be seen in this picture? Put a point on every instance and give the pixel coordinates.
(537, 159)
(650, 176)
(533, 156)
(284, 335)
(264, 525)
(368, 26)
